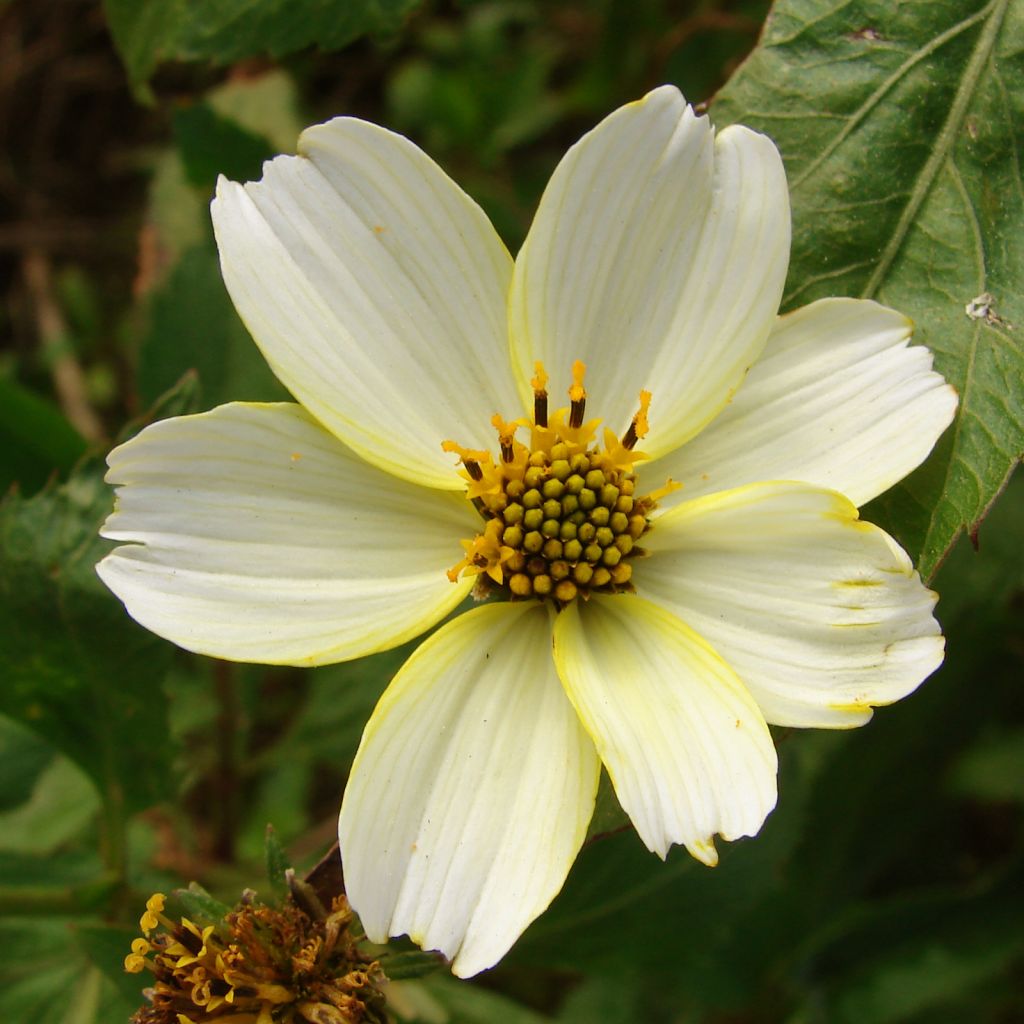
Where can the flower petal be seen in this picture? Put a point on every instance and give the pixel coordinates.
(376, 289)
(471, 792)
(255, 535)
(683, 741)
(657, 256)
(838, 399)
(821, 615)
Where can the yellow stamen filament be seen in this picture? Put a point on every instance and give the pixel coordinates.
(639, 427)
(506, 437)
(577, 394)
(663, 492)
(485, 553)
(561, 519)
(540, 394)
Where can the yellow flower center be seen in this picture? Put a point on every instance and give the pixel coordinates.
(562, 515)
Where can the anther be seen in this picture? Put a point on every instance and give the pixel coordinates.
(561, 517)
(540, 395)
(577, 395)
(470, 459)
(506, 436)
(638, 428)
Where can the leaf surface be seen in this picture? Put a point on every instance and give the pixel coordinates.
(228, 30)
(902, 129)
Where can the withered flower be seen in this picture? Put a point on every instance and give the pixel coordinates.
(260, 964)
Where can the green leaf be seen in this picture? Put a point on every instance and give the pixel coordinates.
(35, 438)
(62, 804)
(193, 326)
(993, 769)
(222, 31)
(278, 863)
(901, 126)
(909, 956)
(23, 756)
(211, 144)
(460, 1003)
(46, 977)
(200, 906)
(75, 668)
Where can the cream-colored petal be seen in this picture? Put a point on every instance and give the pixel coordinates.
(657, 256)
(684, 743)
(253, 534)
(471, 792)
(377, 291)
(821, 615)
(838, 399)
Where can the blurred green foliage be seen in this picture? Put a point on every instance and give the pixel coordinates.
(888, 886)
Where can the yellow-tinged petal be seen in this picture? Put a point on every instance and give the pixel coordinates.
(838, 399)
(657, 257)
(471, 792)
(253, 534)
(685, 745)
(821, 615)
(376, 289)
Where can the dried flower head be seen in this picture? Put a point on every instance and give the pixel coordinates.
(261, 964)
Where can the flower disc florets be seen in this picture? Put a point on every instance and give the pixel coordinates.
(562, 516)
(258, 965)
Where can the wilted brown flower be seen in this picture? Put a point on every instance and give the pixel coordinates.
(261, 964)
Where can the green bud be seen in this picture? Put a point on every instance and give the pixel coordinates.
(533, 518)
(552, 488)
(520, 585)
(611, 556)
(552, 509)
(582, 573)
(559, 569)
(513, 536)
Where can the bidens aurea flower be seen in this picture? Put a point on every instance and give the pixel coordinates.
(677, 536)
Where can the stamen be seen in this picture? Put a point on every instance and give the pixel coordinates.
(639, 427)
(506, 437)
(561, 516)
(470, 458)
(577, 395)
(540, 395)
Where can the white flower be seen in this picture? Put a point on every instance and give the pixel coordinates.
(304, 534)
